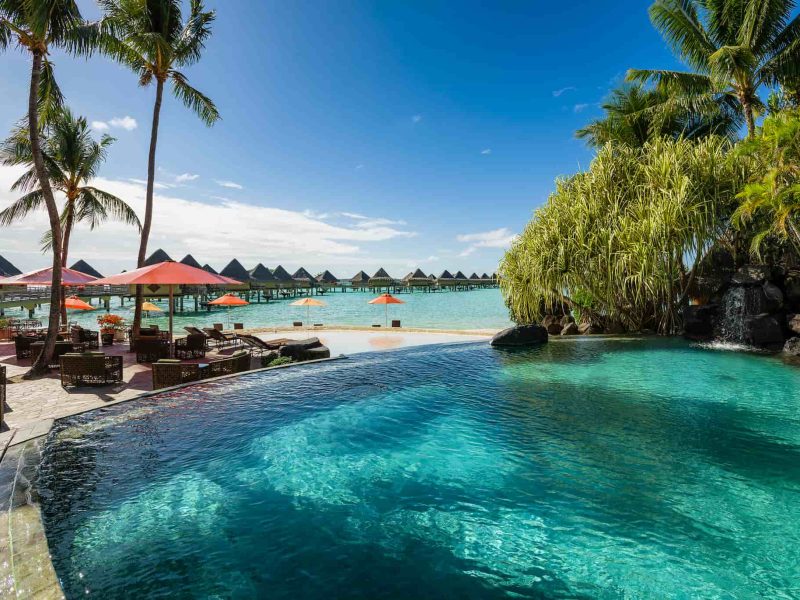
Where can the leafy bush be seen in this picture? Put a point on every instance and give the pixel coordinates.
(274, 361)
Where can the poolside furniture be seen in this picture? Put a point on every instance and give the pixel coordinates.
(238, 325)
(22, 345)
(2, 394)
(168, 372)
(191, 346)
(150, 348)
(256, 345)
(90, 368)
(218, 326)
(238, 362)
(297, 324)
(86, 337)
(61, 347)
(395, 322)
(221, 339)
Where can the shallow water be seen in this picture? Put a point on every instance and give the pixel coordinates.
(476, 309)
(591, 468)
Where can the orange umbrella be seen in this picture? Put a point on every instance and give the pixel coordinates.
(167, 273)
(150, 307)
(386, 300)
(229, 300)
(75, 303)
(308, 303)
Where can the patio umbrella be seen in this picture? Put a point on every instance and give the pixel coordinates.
(386, 300)
(308, 303)
(44, 278)
(167, 273)
(75, 303)
(229, 300)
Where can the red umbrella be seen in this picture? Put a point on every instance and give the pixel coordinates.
(43, 277)
(229, 300)
(167, 273)
(386, 299)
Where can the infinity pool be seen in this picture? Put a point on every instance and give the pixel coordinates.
(595, 469)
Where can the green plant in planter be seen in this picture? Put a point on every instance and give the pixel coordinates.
(268, 361)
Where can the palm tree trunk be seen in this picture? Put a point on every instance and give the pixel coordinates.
(148, 207)
(749, 118)
(68, 222)
(40, 365)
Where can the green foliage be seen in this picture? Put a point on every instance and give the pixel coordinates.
(620, 233)
(770, 203)
(269, 361)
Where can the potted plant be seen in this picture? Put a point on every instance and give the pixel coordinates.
(110, 325)
(5, 329)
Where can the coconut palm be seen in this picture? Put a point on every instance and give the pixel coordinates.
(72, 159)
(151, 38)
(632, 118)
(36, 28)
(732, 49)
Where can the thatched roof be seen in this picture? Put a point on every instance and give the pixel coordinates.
(235, 270)
(474, 277)
(416, 277)
(360, 277)
(460, 276)
(432, 277)
(261, 273)
(301, 273)
(281, 274)
(189, 260)
(85, 267)
(485, 276)
(445, 275)
(7, 269)
(156, 257)
(381, 274)
(408, 276)
(327, 277)
(209, 268)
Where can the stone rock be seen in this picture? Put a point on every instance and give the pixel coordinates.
(793, 323)
(791, 288)
(521, 335)
(698, 321)
(571, 329)
(614, 328)
(763, 331)
(550, 320)
(751, 275)
(566, 320)
(299, 349)
(315, 353)
(554, 329)
(792, 346)
(589, 329)
(773, 298)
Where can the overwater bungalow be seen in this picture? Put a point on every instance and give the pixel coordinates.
(360, 280)
(207, 267)
(156, 257)
(304, 279)
(190, 261)
(460, 278)
(7, 269)
(85, 267)
(417, 279)
(327, 280)
(235, 270)
(446, 279)
(262, 277)
(381, 279)
(283, 278)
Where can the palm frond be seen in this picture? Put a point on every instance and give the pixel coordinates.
(194, 99)
(21, 207)
(111, 207)
(679, 24)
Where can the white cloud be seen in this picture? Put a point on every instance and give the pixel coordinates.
(99, 125)
(184, 177)
(363, 221)
(127, 123)
(157, 185)
(213, 231)
(579, 108)
(496, 238)
(416, 118)
(359, 167)
(569, 88)
(486, 151)
(229, 184)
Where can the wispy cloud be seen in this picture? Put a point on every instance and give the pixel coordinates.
(359, 166)
(99, 125)
(127, 123)
(579, 108)
(157, 185)
(496, 238)
(416, 118)
(363, 221)
(229, 184)
(184, 177)
(486, 151)
(564, 90)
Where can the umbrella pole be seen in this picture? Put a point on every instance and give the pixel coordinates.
(170, 319)
(386, 306)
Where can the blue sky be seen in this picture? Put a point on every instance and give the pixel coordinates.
(354, 134)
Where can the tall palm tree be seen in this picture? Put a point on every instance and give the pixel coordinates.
(72, 159)
(632, 118)
(151, 38)
(36, 27)
(732, 48)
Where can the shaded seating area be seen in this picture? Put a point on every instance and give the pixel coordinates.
(90, 368)
(191, 346)
(2, 395)
(62, 347)
(150, 348)
(87, 337)
(169, 372)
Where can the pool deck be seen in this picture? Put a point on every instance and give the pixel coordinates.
(32, 406)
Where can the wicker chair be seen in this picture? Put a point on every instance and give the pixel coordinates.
(169, 372)
(22, 345)
(90, 368)
(2, 395)
(191, 346)
(150, 348)
(87, 337)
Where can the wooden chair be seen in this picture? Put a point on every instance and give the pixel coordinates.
(169, 372)
(191, 346)
(90, 368)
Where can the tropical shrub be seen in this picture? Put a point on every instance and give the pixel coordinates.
(270, 361)
(627, 235)
(109, 323)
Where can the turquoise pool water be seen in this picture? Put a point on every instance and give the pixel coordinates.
(590, 469)
(476, 309)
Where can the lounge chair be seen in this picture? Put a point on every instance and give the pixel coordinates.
(90, 368)
(256, 345)
(221, 339)
(169, 372)
(191, 346)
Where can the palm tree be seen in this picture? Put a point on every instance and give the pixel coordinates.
(151, 38)
(36, 27)
(732, 49)
(632, 117)
(72, 159)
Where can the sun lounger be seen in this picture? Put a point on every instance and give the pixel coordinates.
(221, 339)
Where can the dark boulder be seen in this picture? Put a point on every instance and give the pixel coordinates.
(521, 335)
(698, 321)
(297, 350)
(550, 320)
(751, 275)
(793, 323)
(792, 346)
(566, 320)
(763, 331)
(614, 328)
(773, 298)
(791, 288)
(589, 329)
(570, 329)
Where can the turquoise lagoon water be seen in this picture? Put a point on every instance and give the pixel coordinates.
(584, 469)
(476, 309)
